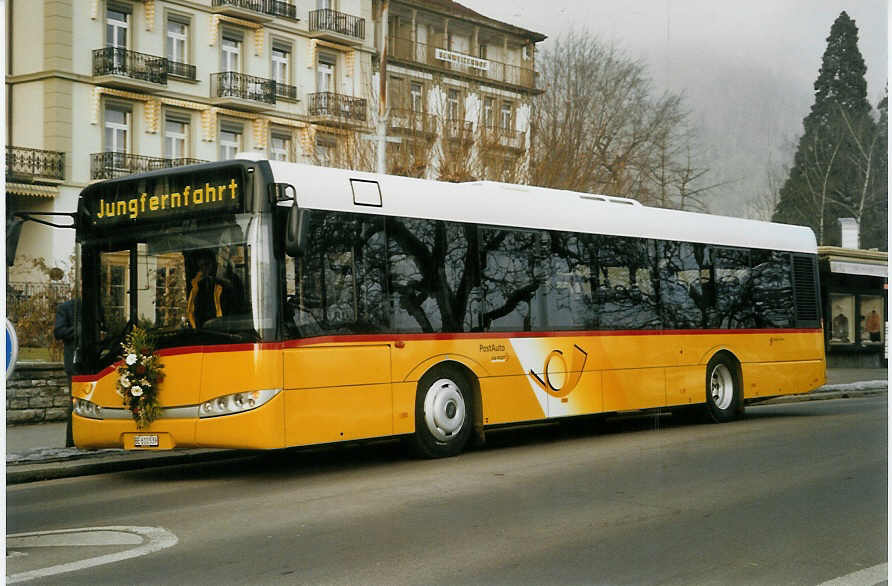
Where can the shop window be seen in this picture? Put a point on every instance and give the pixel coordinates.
(842, 321)
(872, 320)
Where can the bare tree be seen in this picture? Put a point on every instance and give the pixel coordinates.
(598, 127)
(762, 206)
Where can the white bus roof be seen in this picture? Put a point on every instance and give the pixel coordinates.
(523, 206)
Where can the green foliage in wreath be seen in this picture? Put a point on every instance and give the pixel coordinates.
(139, 375)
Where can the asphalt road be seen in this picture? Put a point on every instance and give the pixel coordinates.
(794, 494)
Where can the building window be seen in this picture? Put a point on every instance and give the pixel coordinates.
(177, 40)
(117, 128)
(453, 104)
(325, 4)
(230, 53)
(280, 146)
(481, 51)
(489, 106)
(176, 135)
(281, 58)
(506, 115)
(326, 147)
(325, 73)
(116, 27)
(230, 141)
(416, 94)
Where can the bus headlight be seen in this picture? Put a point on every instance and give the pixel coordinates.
(236, 403)
(87, 409)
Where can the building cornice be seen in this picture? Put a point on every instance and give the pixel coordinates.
(492, 24)
(852, 254)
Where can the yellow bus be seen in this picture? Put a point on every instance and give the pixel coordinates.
(345, 305)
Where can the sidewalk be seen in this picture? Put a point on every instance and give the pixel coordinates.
(38, 452)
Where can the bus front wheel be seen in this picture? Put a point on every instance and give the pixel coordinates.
(442, 413)
(724, 397)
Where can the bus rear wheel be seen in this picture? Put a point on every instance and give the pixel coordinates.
(442, 413)
(724, 400)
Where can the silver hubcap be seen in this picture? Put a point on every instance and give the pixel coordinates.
(444, 409)
(721, 387)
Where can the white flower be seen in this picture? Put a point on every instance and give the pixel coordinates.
(125, 382)
(136, 391)
(131, 359)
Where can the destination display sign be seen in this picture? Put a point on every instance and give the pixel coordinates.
(165, 197)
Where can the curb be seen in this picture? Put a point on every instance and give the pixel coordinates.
(100, 464)
(857, 390)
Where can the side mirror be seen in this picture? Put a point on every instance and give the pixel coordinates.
(296, 231)
(279, 192)
(13, 232)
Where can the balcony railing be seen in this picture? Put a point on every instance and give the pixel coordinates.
(504, 137)
(458, 130)
(231, 84)
(283, 90)
(410, 120)
(127, 63)
(408, 50)
(273, 7)
(181, 70)
(113, 164)
(326, 19)
(24, 163)
(337, 106)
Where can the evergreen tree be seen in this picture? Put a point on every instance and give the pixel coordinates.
(835, 169)
(875, 232)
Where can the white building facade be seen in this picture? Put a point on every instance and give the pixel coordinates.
(98, 89)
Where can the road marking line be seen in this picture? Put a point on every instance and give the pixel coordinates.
(865, 577)
(156, 539)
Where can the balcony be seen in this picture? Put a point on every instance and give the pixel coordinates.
(32, 165)
(255, 10)
(410, 122)
(499, 137)
(498, 73)
(336, 109)
(114, 66)
(181, 70)
(112, 165)
(458, 130)
(332, 25)
(286, 92)
(240, 90)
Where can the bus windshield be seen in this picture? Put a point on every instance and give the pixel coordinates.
(186, 283)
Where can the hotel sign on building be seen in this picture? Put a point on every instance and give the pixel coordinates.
(461, 59)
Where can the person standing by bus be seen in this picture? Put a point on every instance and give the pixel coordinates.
(64, 330)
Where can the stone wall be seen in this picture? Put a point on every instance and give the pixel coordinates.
(37, 392)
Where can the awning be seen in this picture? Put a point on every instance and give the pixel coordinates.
(32, 190)
(857, 268)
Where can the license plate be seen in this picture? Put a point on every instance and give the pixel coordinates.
(145, 441)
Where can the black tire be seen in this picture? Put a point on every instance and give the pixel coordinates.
(724, 396)
(443, 416)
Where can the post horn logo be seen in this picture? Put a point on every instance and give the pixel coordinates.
(558, 381)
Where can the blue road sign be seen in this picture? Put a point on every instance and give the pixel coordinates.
(12, 348)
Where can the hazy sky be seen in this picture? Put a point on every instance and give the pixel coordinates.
(747, 69)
